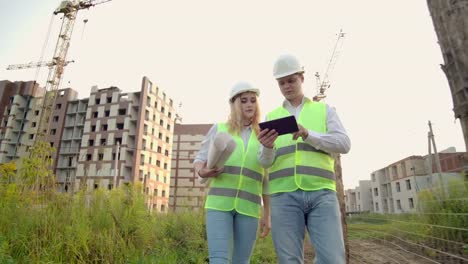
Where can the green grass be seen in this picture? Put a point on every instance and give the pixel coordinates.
(101, 227)
(38, 225)
(439, 223)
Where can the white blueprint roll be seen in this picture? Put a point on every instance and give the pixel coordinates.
(219, 151)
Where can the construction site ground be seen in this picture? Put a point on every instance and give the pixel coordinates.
(370, 252)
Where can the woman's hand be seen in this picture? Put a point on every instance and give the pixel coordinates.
(265, 225)
(210, 173)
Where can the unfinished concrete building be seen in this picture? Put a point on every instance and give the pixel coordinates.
(187, 193)
(395, 188)
(359, 199)
(114, 138)
(15, 99)
(108, 139)
(22, 106)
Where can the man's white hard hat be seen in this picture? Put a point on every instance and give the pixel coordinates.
(285, 65)
(242, 87)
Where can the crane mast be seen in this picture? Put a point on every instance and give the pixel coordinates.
(69, 9)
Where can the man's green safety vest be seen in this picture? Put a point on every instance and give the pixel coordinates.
(239, 186)
(298, 165)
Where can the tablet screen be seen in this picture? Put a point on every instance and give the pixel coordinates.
(283, 125)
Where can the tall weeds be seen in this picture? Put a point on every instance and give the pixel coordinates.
(101, 227)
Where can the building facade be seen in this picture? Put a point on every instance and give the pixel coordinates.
(187, 193)
(108, 139)
(395, 188)
(359, 199)
(21, 115)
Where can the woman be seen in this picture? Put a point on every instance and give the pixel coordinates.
(233, 204)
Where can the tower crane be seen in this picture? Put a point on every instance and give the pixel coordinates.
(324, 84)
(35, 65)
(69, 9)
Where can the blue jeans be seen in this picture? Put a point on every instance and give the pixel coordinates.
(318, 211)
(228, 230)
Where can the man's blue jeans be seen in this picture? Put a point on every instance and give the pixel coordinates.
(318, 211)
(228, 230)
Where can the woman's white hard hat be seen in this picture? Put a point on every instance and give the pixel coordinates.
(242, 87)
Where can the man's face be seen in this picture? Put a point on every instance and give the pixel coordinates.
(291, 86)
(248, 104)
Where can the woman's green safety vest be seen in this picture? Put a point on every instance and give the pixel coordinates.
(239, 186)
(298, 165)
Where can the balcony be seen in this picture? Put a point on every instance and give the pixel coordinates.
(70, 151)
(82, 110)
(12, 142)
(77, 137)
(66, 166)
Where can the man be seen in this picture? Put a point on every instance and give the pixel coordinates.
(302, 181)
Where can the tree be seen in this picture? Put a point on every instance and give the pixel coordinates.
(36, 170)
(7, 172)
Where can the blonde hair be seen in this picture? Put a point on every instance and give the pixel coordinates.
(235, 124)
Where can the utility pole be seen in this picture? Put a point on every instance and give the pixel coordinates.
(341, 201)
(116, 164)
(431, 141)
(450, 19)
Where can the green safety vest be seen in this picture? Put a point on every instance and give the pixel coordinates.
(298, 165)
(239, 186)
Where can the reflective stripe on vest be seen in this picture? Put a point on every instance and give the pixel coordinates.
(239, 186)
(235, 193)
(246, 172)
(299, 165)
(300, 146)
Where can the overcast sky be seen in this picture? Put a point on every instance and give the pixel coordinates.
(386, 84)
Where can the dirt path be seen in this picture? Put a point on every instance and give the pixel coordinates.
(368, 252)
(365, 251)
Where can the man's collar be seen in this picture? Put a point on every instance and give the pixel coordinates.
(286, 103)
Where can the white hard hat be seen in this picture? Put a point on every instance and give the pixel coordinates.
(286, 65)
(242, 87)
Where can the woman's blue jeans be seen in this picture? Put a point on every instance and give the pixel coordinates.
(231, 236)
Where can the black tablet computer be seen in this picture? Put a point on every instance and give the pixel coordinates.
(283, 125)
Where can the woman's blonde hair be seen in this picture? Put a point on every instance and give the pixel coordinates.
(235, 124)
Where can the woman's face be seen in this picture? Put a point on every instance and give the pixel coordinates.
(248, 102)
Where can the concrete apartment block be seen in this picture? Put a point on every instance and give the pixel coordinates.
(350, 201)
(110, 135)
(386, 182)
(126, 137)
(10, 89)
(187, 193)
(69, 150)
(395, 188)
(16, 101)
(58, 119)
(364, 196)
(21, 119)
(359, 199)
